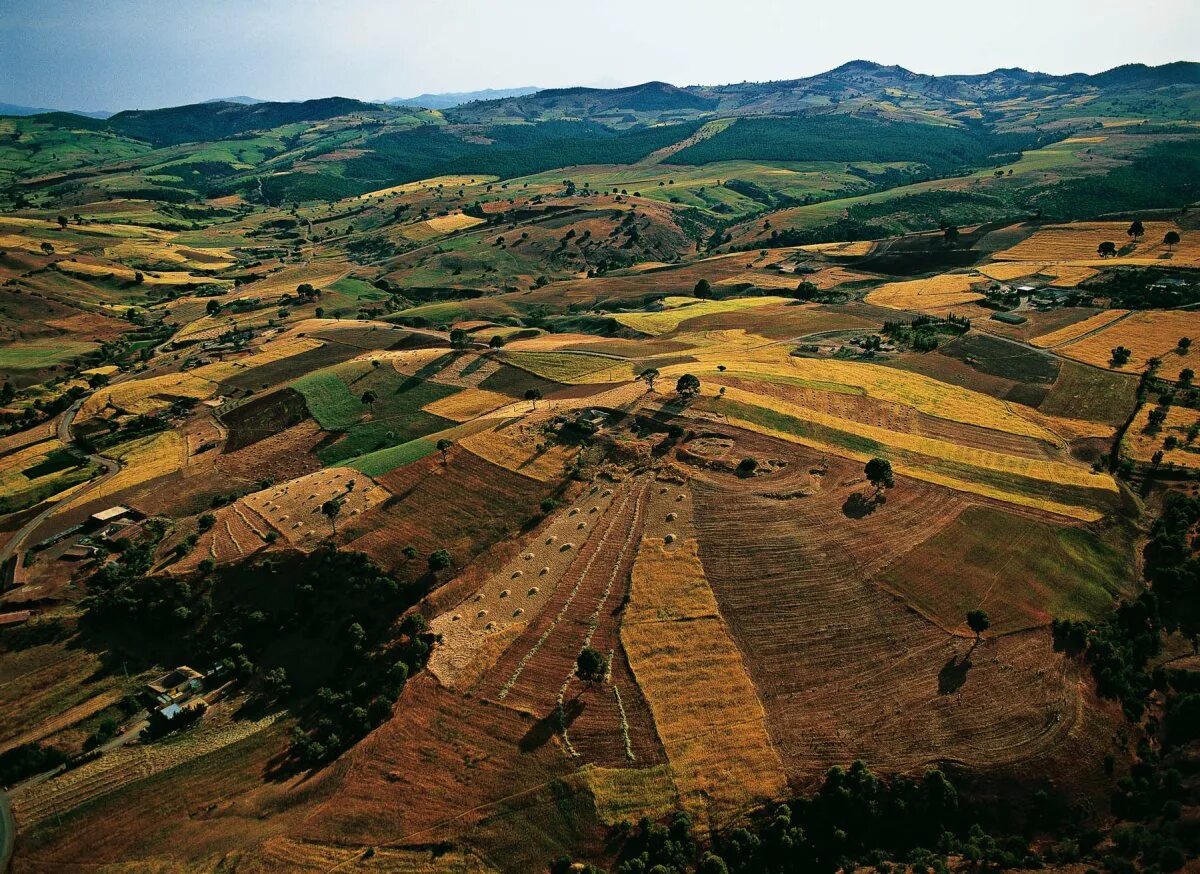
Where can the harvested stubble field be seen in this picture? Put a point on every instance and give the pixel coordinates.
(144, 396)
(1146, 334)
(475, 630)
(691, 672)
(535, 673)
(294, 508)
(872, 679)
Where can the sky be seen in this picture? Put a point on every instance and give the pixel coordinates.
(126, 54)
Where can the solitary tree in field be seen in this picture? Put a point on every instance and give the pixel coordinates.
(1171, 240)
(1186, 376)
(62, 222)
(1107, 249)
(330, 510)
(688, 386)
(1136, 230)
(212, 307)
(879, 474)
(533, 395)
(977, 621)
(459, 338)
(648, 376)
(369, 398)
(439, 560)
(496, 342)
(703, 289)
(591, 666)
(443, 446)
(1120, 356)
(1184, 344)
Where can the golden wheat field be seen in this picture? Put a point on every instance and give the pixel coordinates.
(145, 396)
(692, 675)
(926, 295)
(1141, 443)
(1079, 241)
(1146, 334)
(678, 310)
(1073, 332)
(439, 226)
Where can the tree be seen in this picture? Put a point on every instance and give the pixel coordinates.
(439, 560)
(212, 307)
(1107, 249)
(977, 621)
(1171, 240)
(747, 466)
(62, 222)
(1136, 230)
(1184, 344)
(369, 397)
(648, 376)
(591, 666)
(703, 289)
(1186, 376)
(533, 395)
(879, 474)
(1120, 356)
(7, 393)
(459, 338)
(138, 278)
(688, 386)
(496, 342)
(950, 235)
(330, 510)
(443, 446)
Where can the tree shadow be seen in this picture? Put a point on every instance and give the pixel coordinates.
(858, 506)
(549, 725)
(953, 674)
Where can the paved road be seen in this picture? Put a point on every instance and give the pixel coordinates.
(16, 543)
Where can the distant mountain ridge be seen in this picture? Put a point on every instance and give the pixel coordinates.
(18, 109)
(450, 99)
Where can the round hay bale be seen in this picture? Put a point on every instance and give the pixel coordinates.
(551, 539)
(671, 517)
(528, 556)
(481, 614)
(491, 626)
(517, 574)
(670, 538)
(533, 590)
(479, 597)
(574, 510)
(504, 593)
(594, 510)
(606, 493)
(566, 546)
(543, 571)
(678, 498)
(456, 617)
(581, 526)
(520, 611)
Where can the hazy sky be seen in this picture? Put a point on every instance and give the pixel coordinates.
(116, 54)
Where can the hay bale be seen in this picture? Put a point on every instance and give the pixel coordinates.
(533, 590)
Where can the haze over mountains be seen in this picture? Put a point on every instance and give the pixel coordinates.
(855, 79)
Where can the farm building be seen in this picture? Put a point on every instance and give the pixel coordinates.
(106, 517)
(173, 687)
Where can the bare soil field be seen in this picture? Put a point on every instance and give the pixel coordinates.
(871, 679)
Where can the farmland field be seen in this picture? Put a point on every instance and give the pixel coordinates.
(589, 479)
